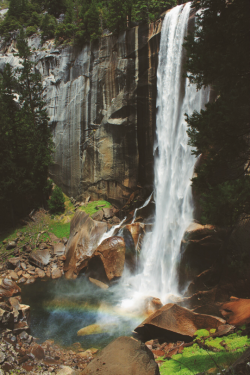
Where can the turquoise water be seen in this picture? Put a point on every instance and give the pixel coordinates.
(60, 308)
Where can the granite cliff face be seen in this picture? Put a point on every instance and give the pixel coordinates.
(101, 101)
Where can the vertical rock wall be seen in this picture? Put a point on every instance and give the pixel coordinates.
(101, 102)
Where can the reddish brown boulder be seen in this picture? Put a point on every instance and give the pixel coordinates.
(85, 235)
(172, 321)
(8, 288)
(236, 312)
(37, 351)
(124, 356)
(112, 254)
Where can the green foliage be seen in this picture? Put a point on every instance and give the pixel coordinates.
(201, 333)
(195, 359)
(84, 20)
(150, 10)
(25, 139)
(48, 26)
(59, 229)
(31, 30)
(55, 7)
(90, 209)
(56, 202)
(218, 55)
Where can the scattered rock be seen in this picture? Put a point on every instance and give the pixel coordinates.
(59, 249)
(22, 280)
(10, 245)
(13, 263)
(66, 370)
(8, 288)
(40, 258)
(37, 351)
(30, 280)
(23, 266)
(124, 356)
(13, 275)
(56, 273)
(40, 273)
(2, 357)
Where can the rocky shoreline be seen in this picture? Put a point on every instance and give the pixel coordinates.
(207, 294)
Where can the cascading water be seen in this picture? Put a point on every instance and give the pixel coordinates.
(174, 163)
(83, 304)
(144, 205)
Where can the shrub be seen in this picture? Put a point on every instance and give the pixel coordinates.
(56, 202)
(31, 30)
(48, 26)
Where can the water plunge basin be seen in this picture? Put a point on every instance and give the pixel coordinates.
(60, 308)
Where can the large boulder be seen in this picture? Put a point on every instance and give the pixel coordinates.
(201, 248)
(40, 258)
(237, 311)
(176, 322)
(111, 252)
(124, 356)
(85, 234)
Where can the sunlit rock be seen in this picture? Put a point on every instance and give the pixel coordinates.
(85, 234)
(112, 254)
(40, 258)
(98, 283)
(94, 329)
(173, 321)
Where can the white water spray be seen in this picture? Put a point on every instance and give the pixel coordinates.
(144, 205)
(174, 163)
(111, 232)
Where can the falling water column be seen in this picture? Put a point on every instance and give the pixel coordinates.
(174, 163)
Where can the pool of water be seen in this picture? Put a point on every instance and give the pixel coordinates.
(60, 308)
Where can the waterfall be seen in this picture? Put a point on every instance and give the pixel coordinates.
(144, 205)
(174, 163)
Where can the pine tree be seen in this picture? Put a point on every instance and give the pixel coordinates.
(25, 137)
(219, 56)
